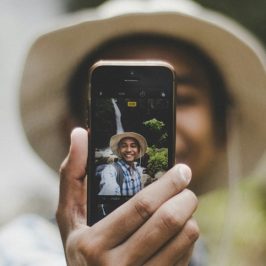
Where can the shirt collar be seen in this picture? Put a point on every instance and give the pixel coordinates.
(123, 163)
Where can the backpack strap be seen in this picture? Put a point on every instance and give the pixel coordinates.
(120, 176)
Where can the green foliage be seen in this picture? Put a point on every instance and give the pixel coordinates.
(156, 130)
(154, 125)
(158, 160)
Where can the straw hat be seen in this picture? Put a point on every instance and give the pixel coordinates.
(114, 141)
(54, 56)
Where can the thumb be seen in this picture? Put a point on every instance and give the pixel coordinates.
(72, 199)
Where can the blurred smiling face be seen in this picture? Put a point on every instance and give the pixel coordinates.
(196, 141)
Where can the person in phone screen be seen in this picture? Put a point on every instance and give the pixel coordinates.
(123, 178)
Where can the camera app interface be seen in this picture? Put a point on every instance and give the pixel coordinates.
(131, 131)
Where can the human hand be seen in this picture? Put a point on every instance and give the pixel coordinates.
(155, 227)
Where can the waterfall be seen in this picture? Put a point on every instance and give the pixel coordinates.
(119, 127)
(106, 152)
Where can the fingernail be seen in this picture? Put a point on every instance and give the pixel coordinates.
(185, 172)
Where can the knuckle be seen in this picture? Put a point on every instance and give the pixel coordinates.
(143, 207)
(69, 169)
(170, 218)
(90, 249)
(191, 230)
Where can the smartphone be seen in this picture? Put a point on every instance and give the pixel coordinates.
(131, 118)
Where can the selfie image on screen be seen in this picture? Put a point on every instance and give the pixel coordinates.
(130, 143)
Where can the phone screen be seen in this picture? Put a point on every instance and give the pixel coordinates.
(132, 132)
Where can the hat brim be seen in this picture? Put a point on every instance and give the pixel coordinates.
(54, 56)
(114, 142)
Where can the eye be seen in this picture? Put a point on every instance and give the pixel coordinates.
(123, 145)
(186, 100)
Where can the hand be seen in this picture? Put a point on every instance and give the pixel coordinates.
(155, 227)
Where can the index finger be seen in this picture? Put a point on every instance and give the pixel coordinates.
(130, 216)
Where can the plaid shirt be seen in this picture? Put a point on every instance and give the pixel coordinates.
(132, 181)
(131, 184)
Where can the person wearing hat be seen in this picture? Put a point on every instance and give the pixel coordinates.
(220, 74)
(128, 146)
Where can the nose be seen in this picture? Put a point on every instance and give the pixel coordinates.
(128, 148)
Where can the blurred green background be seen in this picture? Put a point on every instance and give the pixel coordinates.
(251, 14)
